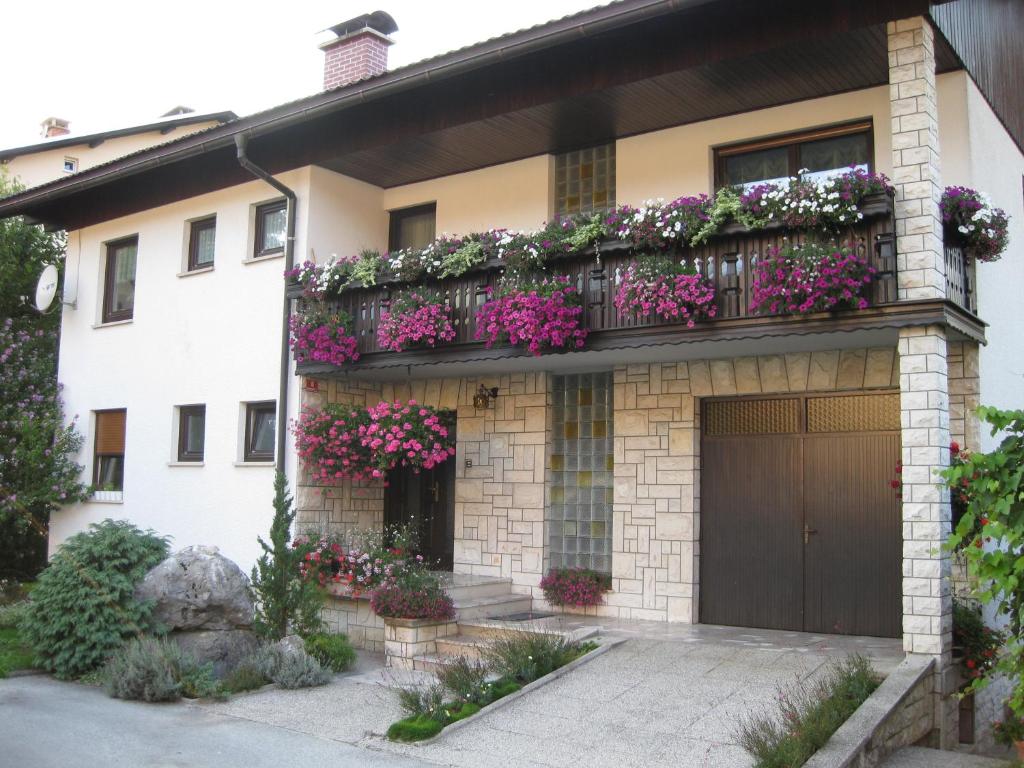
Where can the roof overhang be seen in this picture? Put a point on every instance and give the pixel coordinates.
(614, 71)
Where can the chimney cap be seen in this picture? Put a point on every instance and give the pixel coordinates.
(378, 21)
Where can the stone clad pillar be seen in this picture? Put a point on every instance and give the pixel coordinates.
(927, 600)
(915, 161)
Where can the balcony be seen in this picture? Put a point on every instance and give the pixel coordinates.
(725, 259)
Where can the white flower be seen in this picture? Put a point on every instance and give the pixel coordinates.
(962, 229)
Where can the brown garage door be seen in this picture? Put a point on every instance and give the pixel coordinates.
(800, 528)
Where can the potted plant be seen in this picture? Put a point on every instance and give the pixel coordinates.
(1010, 732)
(414, 318)
(656, 286)
(544, 314)
(575, 587)
(813, 277)
(321, 336)
(969, 217)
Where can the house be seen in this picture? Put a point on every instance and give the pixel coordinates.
(62, 153)
(736, 472)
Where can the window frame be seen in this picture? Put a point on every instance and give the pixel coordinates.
(792, 141)
(73, 161)
(248, 454)
(262, 210)
(110, 315)
(195, 227)
(96, 455)
(184, 455)
(398, 215)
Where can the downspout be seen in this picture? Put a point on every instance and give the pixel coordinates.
(241, 140)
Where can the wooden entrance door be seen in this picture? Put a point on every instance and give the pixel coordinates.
(426, 503)
(800, 529)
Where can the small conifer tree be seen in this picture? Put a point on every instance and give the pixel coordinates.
(284, 600)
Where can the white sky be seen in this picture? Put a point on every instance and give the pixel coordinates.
(108, 64)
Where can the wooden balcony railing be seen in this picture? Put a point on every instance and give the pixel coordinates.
(726, 260)
(960, 277)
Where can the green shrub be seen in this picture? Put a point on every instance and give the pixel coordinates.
(145, 669)
(525, 656)
(426, 700)
(461, 713)
(415, 728)
(299, 671)
(466, 680)
(808, 715)
(83, 609)
(14, 654)
(284, 600)
(332, 651)
(245, 677)
(156, 669)
(502, 688)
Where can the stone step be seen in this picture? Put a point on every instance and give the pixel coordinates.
(428, 662)
(465, 590)
(919, 757)
(461, 645)
(485, 627)
(498, 605)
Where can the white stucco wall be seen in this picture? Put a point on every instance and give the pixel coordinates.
(211, 337)
(996, 166)
(39, 167)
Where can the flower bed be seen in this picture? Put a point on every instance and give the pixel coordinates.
(810, 278)
(339, 442)
(982, 227)
(414, 318)
(540, 315)
(576, 587)
(662, 288)
(322, 338)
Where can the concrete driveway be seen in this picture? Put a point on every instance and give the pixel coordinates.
(669, 696)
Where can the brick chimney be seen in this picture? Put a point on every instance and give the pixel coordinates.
(359, 50)
(55, 126)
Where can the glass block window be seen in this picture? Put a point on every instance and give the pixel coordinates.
(580, 472)
(585, 180)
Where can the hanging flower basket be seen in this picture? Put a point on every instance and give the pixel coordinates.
(414, 318)
(661, 288)
(339, 442)
(810, 278)
(321, 337)
(969, 216)
(540, 315)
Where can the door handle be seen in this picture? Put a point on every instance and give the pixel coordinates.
(807, 533)
(435, 491)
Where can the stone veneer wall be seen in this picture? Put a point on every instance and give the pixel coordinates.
(656, 531)
(964, 394)
(499, 499)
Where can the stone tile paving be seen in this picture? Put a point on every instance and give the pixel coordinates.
(671, 699)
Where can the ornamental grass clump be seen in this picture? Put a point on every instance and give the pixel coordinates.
(541, 315)
(665, 289)
(322, 337)
(807, 715)
(339, 442)
(414, 318)
(578, 587)
(810, 278)
(984, 228)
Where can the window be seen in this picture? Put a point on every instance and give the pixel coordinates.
(202, 234)
(260, 431)
(271, 227)
(191, 432)
(820, 154)
(585, 180)
(119, 280)
(70, 165)
(108, 453)
(412, 227)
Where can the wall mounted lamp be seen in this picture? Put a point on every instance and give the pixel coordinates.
(483, 396)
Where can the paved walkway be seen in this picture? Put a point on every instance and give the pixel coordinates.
(669, 700)
(916, 757)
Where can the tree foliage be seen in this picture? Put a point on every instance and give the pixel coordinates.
(84, 607)
(284, 600)
(991, 535)
(38, 472)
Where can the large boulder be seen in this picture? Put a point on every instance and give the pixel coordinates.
(198, 589)
(224, 648)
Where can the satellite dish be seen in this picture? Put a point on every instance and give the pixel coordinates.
(46, 288)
